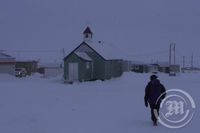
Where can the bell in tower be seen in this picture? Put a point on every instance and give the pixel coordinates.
(87, 35)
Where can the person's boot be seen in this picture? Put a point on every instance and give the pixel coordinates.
(154, 123)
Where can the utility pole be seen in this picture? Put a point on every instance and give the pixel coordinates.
(63, 52)
(192, 61)
(170, 55)
(174, 48)
(183, 64)
(172, 58)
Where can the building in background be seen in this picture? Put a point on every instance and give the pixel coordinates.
(7, 64)
(93, 61)
(50, 69)
(164, 67)
(139, 67)
(29, 65)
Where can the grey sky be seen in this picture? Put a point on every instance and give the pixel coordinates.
(140, 27)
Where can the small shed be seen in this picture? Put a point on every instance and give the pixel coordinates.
(7, 64)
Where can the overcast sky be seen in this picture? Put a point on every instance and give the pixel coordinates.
(143, 28)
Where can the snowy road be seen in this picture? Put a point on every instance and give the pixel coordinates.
(35, 105)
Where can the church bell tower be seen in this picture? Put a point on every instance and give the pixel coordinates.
(87, 35)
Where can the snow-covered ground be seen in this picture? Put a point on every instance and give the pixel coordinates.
(38, 105)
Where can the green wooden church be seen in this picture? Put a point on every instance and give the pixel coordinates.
(92, 61)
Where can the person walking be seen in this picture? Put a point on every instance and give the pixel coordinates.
(154, 93)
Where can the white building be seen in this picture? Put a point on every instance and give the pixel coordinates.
(50, 69)
(7, 64)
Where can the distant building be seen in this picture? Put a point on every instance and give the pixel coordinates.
(165, 68)
(50, 69)
(29, 65)
(7, 64)
(190, 69)
(153, 68)
(139, 67)
(93, 61)
(126, 66)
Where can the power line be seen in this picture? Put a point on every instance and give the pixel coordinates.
(32, 51)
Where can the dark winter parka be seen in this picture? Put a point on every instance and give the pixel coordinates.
(153, 91)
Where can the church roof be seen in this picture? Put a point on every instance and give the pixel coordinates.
(5, 56)
(107, 51)
(87, 30)
(104, 50)
(83, 56)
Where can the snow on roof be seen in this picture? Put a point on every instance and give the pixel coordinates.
(107, 51)
(83, 55)
(26, 60)
(5, 56)
(37, 55)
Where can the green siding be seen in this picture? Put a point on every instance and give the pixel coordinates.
(84, 73)
(117, 68)
(113, 68)
(98, 66)
(100, 69)
(108, 69)
(105, 69)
